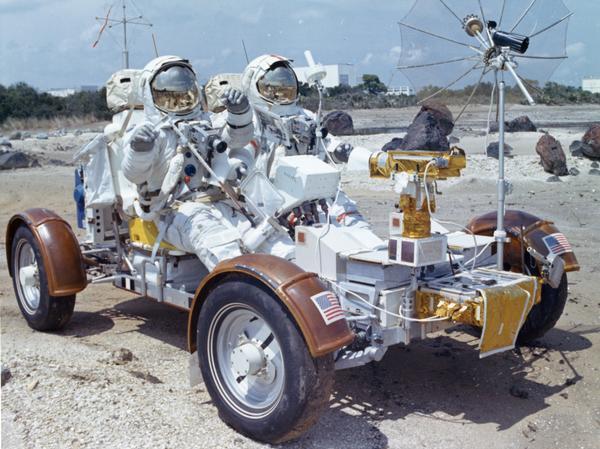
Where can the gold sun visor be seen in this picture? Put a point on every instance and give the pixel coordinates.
(174, 89)
(279, 84)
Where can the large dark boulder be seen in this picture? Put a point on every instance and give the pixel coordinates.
(425, 134)
(17, 159)
(520, 124)
(493, 149)
(442, 114)
(591, 141)
(339, 123)
(393, 145)
(552, 155)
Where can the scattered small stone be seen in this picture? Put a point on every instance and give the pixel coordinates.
(6, 375)
(493, 149)
(453, 140)
(26, 135)
(33, 385)
(518, 392)
(532, 426)
(4, 142)
(595, 165)
(15, 135)
(594, 171)
(41, 136)
(553, 178)
(573, 171)
(146, 376)
(121, 356)
(77, 132)
(564, 395)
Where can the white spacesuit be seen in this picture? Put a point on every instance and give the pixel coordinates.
(283, 128)
(204, 222)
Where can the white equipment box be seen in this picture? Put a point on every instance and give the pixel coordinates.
(418, 252)
(305, 178)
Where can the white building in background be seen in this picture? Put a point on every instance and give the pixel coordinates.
(337, 74)
(402, 90)
(591, 85)
(61, 92)
(65, 92)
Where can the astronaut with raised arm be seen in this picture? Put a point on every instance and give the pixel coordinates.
(191, 209)
(283, 128)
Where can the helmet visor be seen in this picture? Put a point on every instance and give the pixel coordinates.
(279, 84)
(174, 89)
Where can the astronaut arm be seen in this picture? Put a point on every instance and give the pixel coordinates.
(136, 165)
(238, 127)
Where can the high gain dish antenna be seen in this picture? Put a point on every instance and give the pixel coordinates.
(454, 44)
(109, 22)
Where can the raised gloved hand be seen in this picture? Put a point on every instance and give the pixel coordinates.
(144, 137)
(235, 101)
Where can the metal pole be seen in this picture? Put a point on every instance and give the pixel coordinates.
(500, 233)
(125, 51)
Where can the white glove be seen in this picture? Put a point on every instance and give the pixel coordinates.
(143, 139)
(235, 101)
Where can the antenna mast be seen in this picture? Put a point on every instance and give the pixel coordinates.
(134, 20)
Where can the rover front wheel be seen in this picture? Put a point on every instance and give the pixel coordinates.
(256, 365)
(42, 311)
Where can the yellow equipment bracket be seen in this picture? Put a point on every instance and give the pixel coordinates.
(146, 233)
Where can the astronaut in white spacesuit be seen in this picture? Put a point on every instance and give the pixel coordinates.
(271, 86)
(209, 225)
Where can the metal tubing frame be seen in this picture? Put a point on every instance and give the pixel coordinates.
(500, 234)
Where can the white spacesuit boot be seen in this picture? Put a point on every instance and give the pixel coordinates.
(283, 128)
(152, 161)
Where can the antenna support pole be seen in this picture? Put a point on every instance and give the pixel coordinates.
(125, 50)
(500, 233)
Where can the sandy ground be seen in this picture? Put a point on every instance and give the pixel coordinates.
(67, 392)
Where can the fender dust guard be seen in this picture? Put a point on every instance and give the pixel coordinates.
(288, 284)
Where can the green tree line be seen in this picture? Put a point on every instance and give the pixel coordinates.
(21, 101)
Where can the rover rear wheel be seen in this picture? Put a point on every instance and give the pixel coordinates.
(256, 365)
(544, 315)
(42, 311)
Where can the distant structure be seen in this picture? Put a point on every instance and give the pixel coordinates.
(337, 75)
(591, 85)
(398, 91)
(66, 91)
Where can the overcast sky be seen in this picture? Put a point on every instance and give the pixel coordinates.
(48, 44)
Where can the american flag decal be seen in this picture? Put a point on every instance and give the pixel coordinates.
(557, 243)
(329, 306)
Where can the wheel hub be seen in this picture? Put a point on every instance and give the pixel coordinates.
(28, 276)
(248, 359)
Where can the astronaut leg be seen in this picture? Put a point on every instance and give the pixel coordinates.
(204, 230)
(344, 212)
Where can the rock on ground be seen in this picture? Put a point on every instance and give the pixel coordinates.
(393, 145)
(591, 141)
(519, 124)
(552, 155)
(442, 114)
(425, 134)
(493, 148)
(338, 123)
(17, 159)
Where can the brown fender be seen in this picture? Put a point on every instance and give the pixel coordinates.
(59, 247)
(525, 230)
(292, 286)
